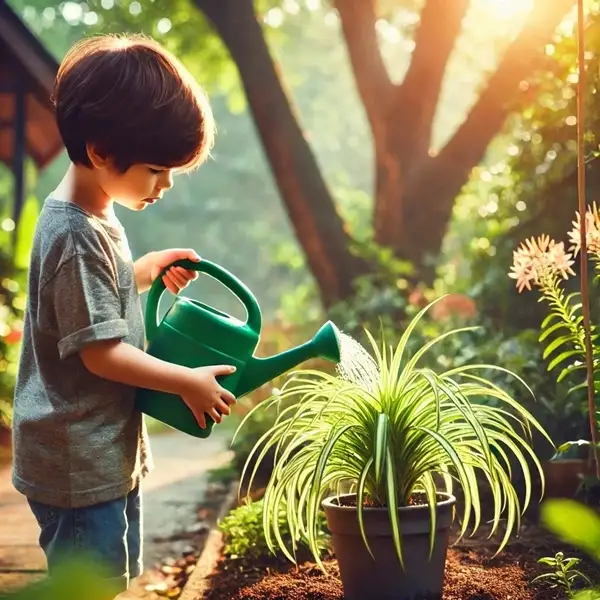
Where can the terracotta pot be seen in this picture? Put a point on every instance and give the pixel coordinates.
(383, 577)
(563, 476)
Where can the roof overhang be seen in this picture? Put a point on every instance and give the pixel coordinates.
(27, 73)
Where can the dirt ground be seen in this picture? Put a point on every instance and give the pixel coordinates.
(472, 573)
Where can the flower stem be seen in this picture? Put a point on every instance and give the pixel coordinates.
(583, 255)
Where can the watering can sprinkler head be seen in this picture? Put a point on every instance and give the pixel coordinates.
(326, 342)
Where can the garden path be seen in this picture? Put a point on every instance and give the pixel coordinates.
(172, 493)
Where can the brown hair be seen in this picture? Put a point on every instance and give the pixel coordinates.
(134, 102)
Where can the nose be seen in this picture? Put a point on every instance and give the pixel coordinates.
(166, 182)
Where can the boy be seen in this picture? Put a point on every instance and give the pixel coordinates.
(130, 116)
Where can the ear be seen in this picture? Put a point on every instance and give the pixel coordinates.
(98, 161)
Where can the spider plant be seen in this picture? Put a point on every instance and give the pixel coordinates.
(391, 429)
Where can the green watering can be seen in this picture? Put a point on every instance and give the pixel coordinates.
(193, 334)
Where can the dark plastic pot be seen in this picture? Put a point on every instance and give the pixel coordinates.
(383, 578)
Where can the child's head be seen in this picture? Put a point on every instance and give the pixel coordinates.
(130, 112)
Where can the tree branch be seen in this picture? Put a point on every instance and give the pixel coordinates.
(404, 141)
(374, 86)
(417, 97)
(310, 206)
(431, 193)
(467, 146)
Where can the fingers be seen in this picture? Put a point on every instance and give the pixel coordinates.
(200, 419)
(170, 286)
(177, 278)
(222, 407)
(214, 413)
(222, 370)
(227, 396)
(191, 254)
(184, 275)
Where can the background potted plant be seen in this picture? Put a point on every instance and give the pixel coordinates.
(379, 446)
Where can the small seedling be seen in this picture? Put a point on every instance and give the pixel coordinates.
(563, 573)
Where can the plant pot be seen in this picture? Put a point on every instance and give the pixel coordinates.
(564, 475)
(383, 577)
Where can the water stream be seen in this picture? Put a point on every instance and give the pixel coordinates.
(356, 364)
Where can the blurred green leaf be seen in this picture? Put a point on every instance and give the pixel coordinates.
(76, 581)
(26, 228)
(593, 594)
(574, 523)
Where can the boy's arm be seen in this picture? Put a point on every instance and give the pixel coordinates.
(124, 363)
(121, 362)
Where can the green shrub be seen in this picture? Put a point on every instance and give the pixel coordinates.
(245, 538)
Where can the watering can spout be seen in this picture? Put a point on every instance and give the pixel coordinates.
(325, 344)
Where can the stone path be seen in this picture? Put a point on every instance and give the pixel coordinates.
(171, 494)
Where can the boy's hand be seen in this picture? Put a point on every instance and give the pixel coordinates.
(150, 266)
(176, 278)
(203, 394)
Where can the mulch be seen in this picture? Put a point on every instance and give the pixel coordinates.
(472, 573)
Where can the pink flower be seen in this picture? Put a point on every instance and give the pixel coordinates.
(592, 232)
(537, 262)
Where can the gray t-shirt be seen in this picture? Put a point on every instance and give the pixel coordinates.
(78, 439)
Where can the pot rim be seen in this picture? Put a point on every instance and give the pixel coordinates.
(328, 502)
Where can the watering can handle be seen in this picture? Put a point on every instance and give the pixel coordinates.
(247, 298)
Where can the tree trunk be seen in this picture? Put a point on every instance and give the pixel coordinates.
(310, 206)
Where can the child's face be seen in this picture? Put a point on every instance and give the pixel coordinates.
(137, 188)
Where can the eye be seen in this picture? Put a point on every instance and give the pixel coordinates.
(154, 171)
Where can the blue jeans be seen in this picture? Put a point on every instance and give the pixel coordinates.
(110, 534)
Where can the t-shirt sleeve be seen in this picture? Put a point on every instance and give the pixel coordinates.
(87, 304)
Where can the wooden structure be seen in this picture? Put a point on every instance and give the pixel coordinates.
(27, 123)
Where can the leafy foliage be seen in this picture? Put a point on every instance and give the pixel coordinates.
(76, 579)
(528, 181)
(561, 411)
(389, 431)
(14, 259)
(562, 330)
(244, 534)
(578, 525)
(12, 305)
(381, 297)
(562, 572)
(236, 191)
